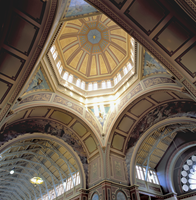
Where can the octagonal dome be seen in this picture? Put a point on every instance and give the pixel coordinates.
(93, 47)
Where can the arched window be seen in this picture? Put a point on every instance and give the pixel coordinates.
(103, 85)
(188, 174)
(60, 70)
(70, 79)
(90, 86)
(120, 196)
(65, 76)
(109, 84)
(115, 80)
(125, 70)
(55, 55)
(83, 85)
(151, 175)
(95, 196)
(58, 64)
(78, 82)
(95, 86)
(129, 66)
(119, 77)
(53, 48)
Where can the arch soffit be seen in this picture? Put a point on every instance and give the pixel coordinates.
(137, 110)
(81, 166)
(135, 93)
(55, 100)
(53, 120)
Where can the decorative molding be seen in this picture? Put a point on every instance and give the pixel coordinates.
(60, 100)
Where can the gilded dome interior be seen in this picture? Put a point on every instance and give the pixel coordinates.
(93, 47)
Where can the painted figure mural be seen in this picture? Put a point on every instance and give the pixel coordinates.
(79, 7)
(38, 83)
(151, 65)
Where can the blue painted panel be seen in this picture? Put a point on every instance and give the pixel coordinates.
(38, 83)
(79, 7)
(151, 65)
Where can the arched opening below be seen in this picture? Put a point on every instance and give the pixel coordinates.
(38, 166)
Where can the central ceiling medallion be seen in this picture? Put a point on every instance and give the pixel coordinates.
(94, 36)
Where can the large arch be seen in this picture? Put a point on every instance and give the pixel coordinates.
(55, 121)
(66, 105)
(136, 93)
(190, 124)
(168, 104)
(20, 141)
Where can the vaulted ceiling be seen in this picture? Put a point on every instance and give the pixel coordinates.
(93, 46)
(46, 159)
(163, 28)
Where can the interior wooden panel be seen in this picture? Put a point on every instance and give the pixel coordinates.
(34, 9)
(187, 60)
(10, 64)
(146, 14)
(118, 3)
(21, 34)
(173, 36)
(5, 87)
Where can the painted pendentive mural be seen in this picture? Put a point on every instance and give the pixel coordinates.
(100, 112)
(38, 83)
(151, 66)
(77, 8)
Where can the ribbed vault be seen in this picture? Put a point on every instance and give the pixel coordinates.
(37, 157)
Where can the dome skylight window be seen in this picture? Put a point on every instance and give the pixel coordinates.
(65, 76)
(119, 77)
(90, 86)
(115, 80)
(103, 85)
(83, 85)
(125, 70)
(101, 66)
(70, 79)
(95, 86)
(109, 84)
(129, 66)
(188, 174)
(53, 48)
(55, 55)
(78, 82)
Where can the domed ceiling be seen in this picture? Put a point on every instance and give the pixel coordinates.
(93, 46)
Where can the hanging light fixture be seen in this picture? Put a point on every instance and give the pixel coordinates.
(12, 170)
(36, 180)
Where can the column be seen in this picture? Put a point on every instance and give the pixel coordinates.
(134, 192)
